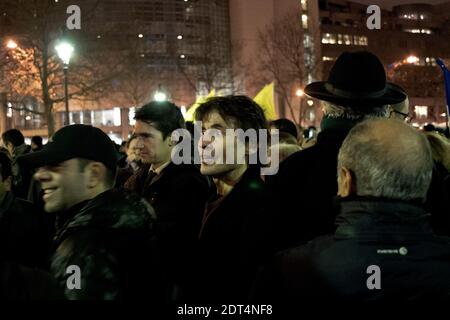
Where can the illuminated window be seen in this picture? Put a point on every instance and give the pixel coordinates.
(304, 5)
(430, 61)
(333, 39)
(328, 38)
(421, 111)
(9, 111)
(307, 42)
(116, 117)
(312, 115)
(426, 31)
(363, 41)
(411, 16)
(131, 116)
(339, 39)
(347, 39)
(305, 21)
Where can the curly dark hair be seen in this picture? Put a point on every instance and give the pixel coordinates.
(242, 111)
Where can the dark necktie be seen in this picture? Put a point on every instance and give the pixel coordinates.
(151, 175)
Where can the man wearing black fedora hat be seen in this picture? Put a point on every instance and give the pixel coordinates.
(356, 89)
(102, 244)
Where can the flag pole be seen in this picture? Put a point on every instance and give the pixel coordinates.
(446, 72)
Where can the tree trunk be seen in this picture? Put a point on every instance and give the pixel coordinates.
(50, 120)
(48, 103)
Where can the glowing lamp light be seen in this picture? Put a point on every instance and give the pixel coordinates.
(11, 44)
(64, 50)
(160, 96)
(412, 59)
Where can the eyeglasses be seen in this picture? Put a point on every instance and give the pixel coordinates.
(406, 117)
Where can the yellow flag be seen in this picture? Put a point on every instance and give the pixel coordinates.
(190, 113)
(266, 100)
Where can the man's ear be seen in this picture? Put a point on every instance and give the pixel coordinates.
(346, 182)
(96, 174)
(390, 110)
(7, 183)
(169, 141)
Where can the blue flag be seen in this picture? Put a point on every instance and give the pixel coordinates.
(447, 84)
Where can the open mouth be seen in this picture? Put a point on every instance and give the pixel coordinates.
(48, 192)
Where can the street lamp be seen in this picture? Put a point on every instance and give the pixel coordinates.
(160, 96)
(11, 44)
(65, 50)
(300, 93)
(412, 59)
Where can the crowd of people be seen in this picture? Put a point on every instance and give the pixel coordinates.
(82, 218)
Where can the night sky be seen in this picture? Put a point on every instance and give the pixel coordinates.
(389, 3)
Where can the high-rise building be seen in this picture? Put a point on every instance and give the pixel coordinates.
(410, 38)
(276, 40)
(186, 48)
(180, 47)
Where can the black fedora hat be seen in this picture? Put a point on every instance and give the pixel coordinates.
(357, 80)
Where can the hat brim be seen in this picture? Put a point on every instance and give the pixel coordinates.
(392, 95)
(48, 155)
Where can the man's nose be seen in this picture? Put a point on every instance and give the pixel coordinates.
(42, 175)
(139, 143)
(204, 142)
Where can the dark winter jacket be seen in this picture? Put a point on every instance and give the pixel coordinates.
(306, 185)
(21, 283)
(391, 236)
(110, 239)
(25, 236)
(179, 195)
(235, 240)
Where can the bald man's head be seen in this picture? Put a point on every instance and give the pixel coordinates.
(385, 158)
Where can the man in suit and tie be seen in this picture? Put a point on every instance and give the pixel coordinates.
(177, 192)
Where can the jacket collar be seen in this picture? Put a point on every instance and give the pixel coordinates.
(21, 150)
(250, 181)
(337, 124)
(333, 131)
(112, 209)
(167, 167)
(62, 218)
(381, 219)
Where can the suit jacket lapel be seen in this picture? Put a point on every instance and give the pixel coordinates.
(156, 178)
